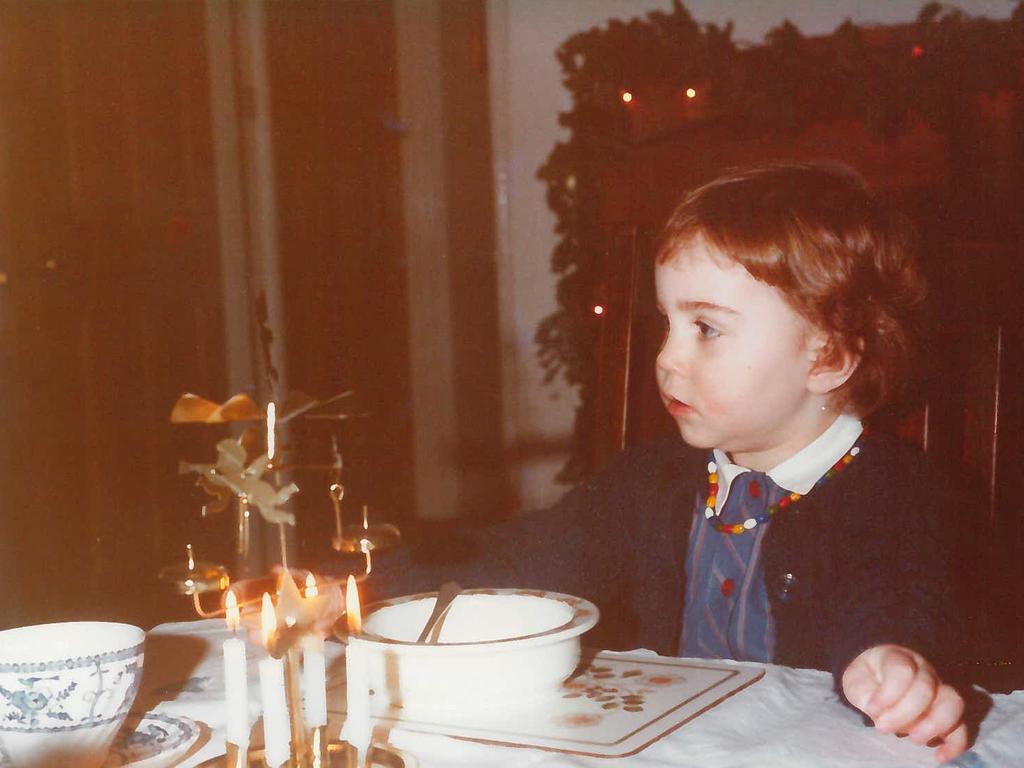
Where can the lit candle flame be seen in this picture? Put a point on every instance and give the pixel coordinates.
(311, 588)
(352, 614)
(271, 430)
(268, 621)
(233, 617)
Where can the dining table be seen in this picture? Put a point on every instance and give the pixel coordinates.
(620, 711)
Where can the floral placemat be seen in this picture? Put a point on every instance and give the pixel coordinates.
(616, 705)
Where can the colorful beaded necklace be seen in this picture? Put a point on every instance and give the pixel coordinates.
(712, 514)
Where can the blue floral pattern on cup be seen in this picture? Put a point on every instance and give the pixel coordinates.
(70, 693)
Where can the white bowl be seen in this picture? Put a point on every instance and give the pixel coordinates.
(65, 690)
(496, 646)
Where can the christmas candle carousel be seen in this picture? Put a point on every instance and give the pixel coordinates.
(288, 624)
(249, 476)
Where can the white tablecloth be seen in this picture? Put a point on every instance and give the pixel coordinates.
(790, 719)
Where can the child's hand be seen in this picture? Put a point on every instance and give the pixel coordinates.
(900, 691)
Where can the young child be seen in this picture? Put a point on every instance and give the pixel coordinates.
(777, 530)
(787, 291)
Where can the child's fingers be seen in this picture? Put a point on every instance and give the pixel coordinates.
(954, 745)
(902, 715)
(941, 718)
(901, 692)
(897, 672)
(915, 698)
(859, 683)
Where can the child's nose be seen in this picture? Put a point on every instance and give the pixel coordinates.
(672, 358)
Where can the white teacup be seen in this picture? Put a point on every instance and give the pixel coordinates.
(65, 690)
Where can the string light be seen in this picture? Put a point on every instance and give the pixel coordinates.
(691, 92)
(598, 309)
(627, 97)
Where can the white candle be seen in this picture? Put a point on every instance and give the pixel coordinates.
(357, 685)
(271, 431)
(236, 683)
(276, 734)
(314, 670)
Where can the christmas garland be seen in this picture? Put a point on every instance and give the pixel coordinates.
(787, 83)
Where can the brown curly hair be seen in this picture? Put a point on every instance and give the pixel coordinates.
(844, 261)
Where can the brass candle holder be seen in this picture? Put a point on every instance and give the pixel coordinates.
(338, 754)
(293, 700)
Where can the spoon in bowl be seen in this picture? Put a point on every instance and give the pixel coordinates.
(446, 594)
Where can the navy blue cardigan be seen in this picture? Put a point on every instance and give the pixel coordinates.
(864, 559)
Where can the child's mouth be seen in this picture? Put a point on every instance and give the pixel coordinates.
(676, 407)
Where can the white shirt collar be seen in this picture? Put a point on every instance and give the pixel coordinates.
(804, 468)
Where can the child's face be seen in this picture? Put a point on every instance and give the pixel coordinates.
(735, 370)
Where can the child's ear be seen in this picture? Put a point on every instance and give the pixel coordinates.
(832, 364)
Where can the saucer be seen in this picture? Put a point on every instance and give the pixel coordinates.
(151, 740)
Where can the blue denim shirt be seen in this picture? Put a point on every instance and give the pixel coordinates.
(727, 614)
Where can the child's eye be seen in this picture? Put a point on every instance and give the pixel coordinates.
(706, 331)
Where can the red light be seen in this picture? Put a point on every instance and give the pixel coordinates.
(917, 51)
